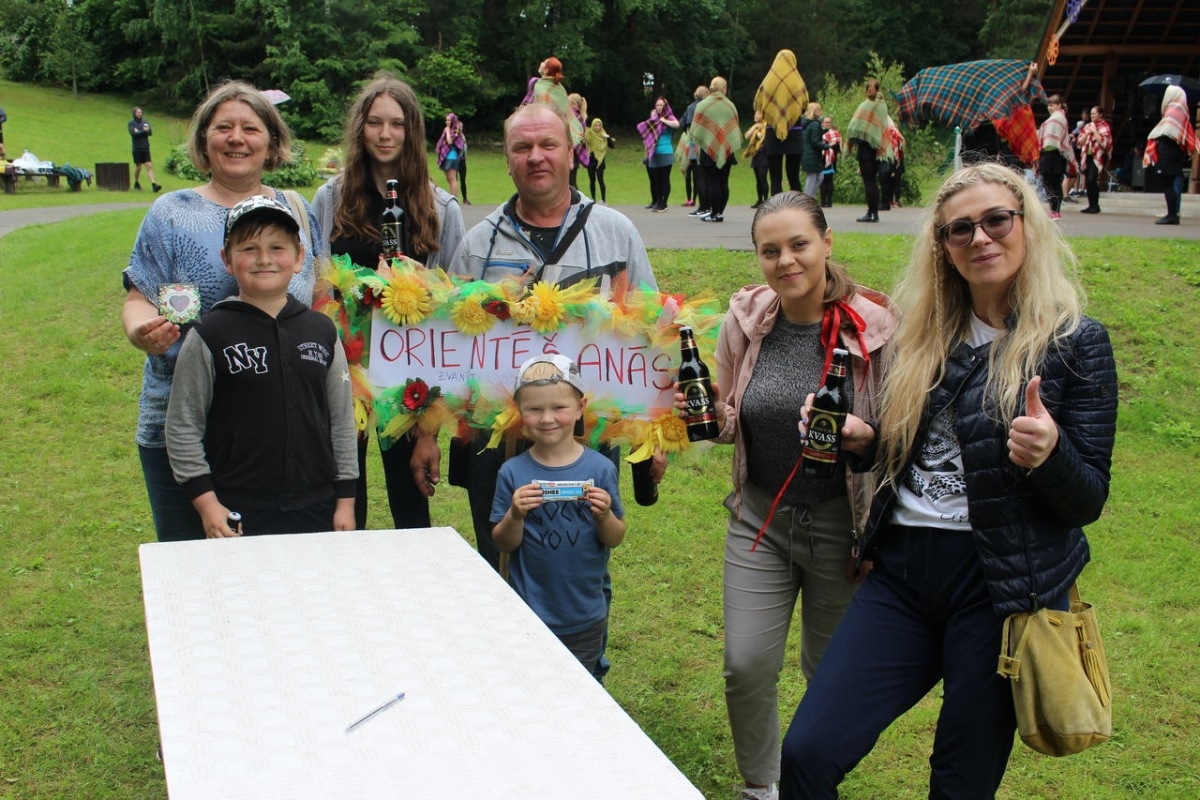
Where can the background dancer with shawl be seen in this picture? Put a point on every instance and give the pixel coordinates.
(660, 154)
(598, 141)
(1169, 145)
(578, 105)
(758, 158)
(782, 98)
(1056, 153)
(1095, 148)
(451, 149)
(547, 88)
(865, 132)
(693, 176)
(832, 142)
(718, 133)
(891, 166)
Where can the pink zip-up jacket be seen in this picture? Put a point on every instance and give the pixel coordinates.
(752, 313)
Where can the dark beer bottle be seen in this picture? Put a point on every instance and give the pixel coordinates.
(700, 413)
(391, 225)
(825, 422)
(645, 490)
(234, 521)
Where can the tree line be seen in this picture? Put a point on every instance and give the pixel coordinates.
(474, 57)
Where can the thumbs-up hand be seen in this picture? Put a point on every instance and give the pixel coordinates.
(1032, 437)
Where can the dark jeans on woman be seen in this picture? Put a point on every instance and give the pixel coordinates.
(868, 167)
(596, 173)
(827, 190)
(1053, 168)
(410, 508)
(716, 180)
(175, 519)
(462, 177)
(775, 165)
(923, 614)
(1170, 164)
(1091, 175)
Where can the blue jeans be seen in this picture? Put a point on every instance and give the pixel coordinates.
(175, 520)
(922, 615)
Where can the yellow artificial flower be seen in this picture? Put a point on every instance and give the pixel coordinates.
(471, 318)
(548, 309)
(524, 311)
(406, 301)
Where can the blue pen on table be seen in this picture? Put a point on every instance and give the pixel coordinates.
(375, 711)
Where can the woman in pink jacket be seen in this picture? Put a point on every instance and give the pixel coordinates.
(787, 534)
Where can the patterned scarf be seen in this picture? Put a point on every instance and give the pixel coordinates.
(715, 128)
(1096, 142)
(651, 129)
(869, 122)
(597, 143)
(1019, 130)
(451, 138)
(755, 135)
(782, 95)
(1174, 124)
(832, 141)
(1054, 135)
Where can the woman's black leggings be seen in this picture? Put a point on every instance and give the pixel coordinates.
(596, 173)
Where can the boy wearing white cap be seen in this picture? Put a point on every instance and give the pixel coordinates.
(557, 510)
(261, 417)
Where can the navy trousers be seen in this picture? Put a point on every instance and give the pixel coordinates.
(922, 615)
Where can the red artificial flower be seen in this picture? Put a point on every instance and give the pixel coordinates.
(497, 308)
(416, 392)
(370, 298)
(354, 349)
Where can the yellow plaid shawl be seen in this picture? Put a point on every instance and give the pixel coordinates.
(782, 95)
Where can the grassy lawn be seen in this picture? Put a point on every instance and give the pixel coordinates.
(77, 704)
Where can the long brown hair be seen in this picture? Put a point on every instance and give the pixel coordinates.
(411, 170)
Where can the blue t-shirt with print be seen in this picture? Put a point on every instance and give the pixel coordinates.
(560, 565)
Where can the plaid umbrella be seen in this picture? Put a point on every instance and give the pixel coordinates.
(968, 94)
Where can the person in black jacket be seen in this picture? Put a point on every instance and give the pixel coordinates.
(261, 418)
(993, 448)
(140, 133)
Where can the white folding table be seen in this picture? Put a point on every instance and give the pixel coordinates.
(264, 649)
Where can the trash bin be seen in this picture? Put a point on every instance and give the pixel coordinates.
(113, 176)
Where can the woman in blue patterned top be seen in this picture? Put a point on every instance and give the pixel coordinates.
(236, 135)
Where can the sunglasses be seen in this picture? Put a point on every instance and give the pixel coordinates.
(997, 225)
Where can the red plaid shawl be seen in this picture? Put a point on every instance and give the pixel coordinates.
(1096, 142)
(716, 129)
(1020, 131)
(1174, 124)
(1053, 135)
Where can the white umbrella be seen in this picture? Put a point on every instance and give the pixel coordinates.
(276, 96)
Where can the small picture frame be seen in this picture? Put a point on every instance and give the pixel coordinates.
(179, 302)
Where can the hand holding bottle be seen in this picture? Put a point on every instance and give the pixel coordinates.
(857, 435)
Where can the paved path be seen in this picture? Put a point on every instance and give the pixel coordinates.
(676, 230)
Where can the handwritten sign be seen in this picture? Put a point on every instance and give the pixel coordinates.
(626, 367)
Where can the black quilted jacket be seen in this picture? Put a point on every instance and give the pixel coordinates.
(1027, 524)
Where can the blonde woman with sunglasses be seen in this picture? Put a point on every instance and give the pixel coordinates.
(995, 433)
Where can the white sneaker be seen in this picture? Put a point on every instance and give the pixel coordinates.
(760, 793)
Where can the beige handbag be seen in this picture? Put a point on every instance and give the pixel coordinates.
(1059, 674)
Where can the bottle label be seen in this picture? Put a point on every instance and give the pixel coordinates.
(824, 435)
(699, 408)
(391, 239)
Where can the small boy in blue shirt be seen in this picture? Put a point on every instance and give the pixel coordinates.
(559, 548)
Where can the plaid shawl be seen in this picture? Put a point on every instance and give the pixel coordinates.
(968, 94)
(869, 122)
(893, 142)
(1020, 132)
(715, 128)
(782, 95)
(833, 142)
(1054, 135)
(1174, 124)
(597, 143)
(755, 135)
(582, 159)
(451, 137)
(651, 129)
(1096, 142)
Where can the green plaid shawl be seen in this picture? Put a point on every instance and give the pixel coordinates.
(869, 122)
(715, 128)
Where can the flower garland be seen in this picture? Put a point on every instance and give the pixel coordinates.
(408, 293)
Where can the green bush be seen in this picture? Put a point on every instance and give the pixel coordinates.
(299, 173)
